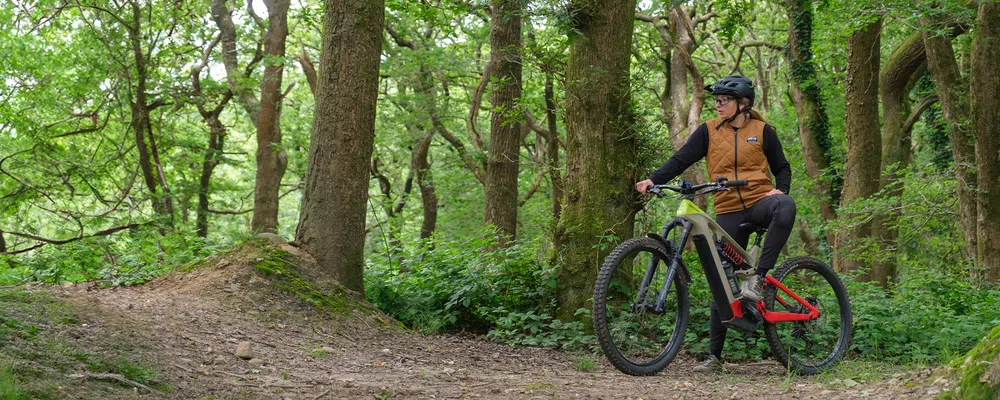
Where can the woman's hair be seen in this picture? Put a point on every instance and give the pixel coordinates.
(753, 112)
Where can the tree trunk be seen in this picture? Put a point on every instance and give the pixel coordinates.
(952, 92)
(152, 170)
(896, 80)
(553, 158)
(814, 130)
(332, 222)
(428, 197)
(864, 147)
(271, 159)
(216, 140)
(505, 126)
(601, 148)
(686, 115)
(986, 114)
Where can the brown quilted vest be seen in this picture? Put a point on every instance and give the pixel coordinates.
(738, 156)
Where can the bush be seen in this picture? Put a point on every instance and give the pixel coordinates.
(472, 285)
(125, 258)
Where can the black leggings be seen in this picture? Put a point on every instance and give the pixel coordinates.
(777, 213)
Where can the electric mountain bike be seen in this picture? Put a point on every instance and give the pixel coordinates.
(641, 305)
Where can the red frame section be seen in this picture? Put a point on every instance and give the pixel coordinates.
(774, 316)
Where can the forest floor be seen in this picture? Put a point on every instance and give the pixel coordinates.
(176, 337)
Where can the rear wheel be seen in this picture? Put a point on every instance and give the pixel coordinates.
(809, 347)
(634, 338)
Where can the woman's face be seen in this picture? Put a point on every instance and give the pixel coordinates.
(726, 106)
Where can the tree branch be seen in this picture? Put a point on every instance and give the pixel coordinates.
(917, 111)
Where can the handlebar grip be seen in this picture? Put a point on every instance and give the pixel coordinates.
(735, 183)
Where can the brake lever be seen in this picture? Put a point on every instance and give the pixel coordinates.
(657, 191)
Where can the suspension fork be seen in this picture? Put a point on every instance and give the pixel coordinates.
(675, 264)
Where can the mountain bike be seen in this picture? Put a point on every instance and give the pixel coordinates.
(641, 305)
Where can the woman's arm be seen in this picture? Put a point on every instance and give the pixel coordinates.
(780, 167)
(695, 149)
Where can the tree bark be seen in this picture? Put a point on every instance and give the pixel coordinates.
(428, 196)
(271, 158)
(814, 129)
(986, 114)
(553, 158)
(952, 91)
(896, 80)
(332, 221)
(505, 127)
(216, 142)
(152, 170)
(864, 147)
(601, 148)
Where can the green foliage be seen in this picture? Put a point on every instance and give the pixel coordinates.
(125, 259)
(472, 285)
(9, 388)
(928, 318)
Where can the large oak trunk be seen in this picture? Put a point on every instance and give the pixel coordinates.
(332, 222)
(505, 128)
(986, 114)
(896, 80)
(952, 91)
(864, 147)
(601, 148)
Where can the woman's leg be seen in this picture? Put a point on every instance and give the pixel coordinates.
(730, 222)
(777, 213)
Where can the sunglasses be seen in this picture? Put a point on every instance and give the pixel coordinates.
(721, 101)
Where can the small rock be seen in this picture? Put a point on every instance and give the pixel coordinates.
(386, 351)
(328, 349)
(273, 238)
(940, 381)
(448, 371)
(244, 351)
(256, 362)
(850, 383)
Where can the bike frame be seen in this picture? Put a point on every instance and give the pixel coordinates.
(698, 226)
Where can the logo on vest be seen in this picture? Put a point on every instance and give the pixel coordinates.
(752, 139)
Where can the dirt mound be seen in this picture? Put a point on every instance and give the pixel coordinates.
(259, 276)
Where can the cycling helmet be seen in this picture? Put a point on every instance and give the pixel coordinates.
(733, 85)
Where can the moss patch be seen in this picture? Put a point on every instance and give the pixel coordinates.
(975, 370)
(282, 268)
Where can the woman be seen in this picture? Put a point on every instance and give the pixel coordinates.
(738, 145)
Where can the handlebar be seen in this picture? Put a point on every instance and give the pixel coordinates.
(686, 189)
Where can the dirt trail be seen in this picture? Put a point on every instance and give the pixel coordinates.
(187, 326)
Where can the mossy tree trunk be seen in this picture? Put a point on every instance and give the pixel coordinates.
(986, 114)
(896, 80)
(953, 95)
(334, 202)
(814, 128)
(864, 147)
(503, 159)
(601, 146)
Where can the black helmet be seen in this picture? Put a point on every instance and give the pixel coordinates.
(733, 85)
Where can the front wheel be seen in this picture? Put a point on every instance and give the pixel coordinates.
(634, 338)
(809, 347)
